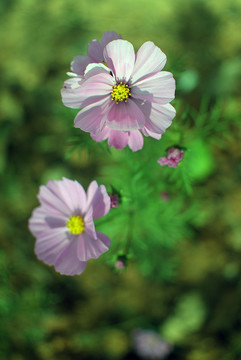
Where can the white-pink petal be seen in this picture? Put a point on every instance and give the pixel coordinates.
(93, 117)
(160, 118)
(71, 93)
(50, 244)
(51, 203)
(89, 223)
(96, 69)
(135, 140)
(118, 139)
(41, 222)
(71, 193)
(158, 88)
(67, 263)
(98, 200)
(89, 248)
(147, 132)
(125, 116)
(149, 59)
(120, 58)
(102, 135)
(95, 88)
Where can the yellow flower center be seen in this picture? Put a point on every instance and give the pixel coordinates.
(120, 92)
(75, 224)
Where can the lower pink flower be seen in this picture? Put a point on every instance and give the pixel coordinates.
(120, 139)
(63, 225)
(174, 156)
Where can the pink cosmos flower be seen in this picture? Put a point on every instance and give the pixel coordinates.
(95, 53)
(130, 93)
(120, 139)
(63, 225)
(174, 156)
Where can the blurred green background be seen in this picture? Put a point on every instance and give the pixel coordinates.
(183, 274)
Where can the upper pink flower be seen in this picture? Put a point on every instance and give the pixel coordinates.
(130, 93)
(95, 53)
(63, 225)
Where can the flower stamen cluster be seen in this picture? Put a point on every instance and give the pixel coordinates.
(120, 92)
(75, 224)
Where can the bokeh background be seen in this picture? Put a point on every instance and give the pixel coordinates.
(178, 230)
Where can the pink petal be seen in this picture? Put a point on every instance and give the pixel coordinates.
(50, 244)
(135, 140)
(118, 139)
(149, 59)
(67, 263)
(125, 116)
(158, 87)
(89, 248)
(93, 117)
(79, 64)
(71, 193)
(102, 135)
(120, 57)
(109, 36)
(98, 199)
(95, 51)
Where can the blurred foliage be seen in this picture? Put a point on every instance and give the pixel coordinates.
(182, 277)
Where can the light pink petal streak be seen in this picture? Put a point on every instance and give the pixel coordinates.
(149, 59)
(158, 88)
(89, 248)
(135, 140)
(125, 116)
(67, 263)
(120, 57)
(98, 200)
